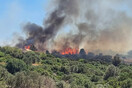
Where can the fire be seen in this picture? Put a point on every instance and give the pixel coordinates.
(69, 51)
(27, 47)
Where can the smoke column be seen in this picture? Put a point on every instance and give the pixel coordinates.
(95, 25)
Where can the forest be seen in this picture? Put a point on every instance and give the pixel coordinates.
(30, 69)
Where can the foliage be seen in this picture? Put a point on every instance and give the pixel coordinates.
(116, 61)
(15, 65)
(112, 71)
(126, 83)
(31, 69)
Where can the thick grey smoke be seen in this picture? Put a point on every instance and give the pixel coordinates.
(102, 25)
(129, 55)
(38, 35)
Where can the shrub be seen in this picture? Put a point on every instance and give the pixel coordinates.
(116, 61)
(15, 65)
(2, 54)
(126, 83)
(112, 71)
(94, 78)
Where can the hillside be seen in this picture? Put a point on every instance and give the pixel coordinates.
(30, 69)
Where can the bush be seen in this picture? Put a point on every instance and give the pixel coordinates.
(63, 84)
(3, 59)
(94, 78)
(30, 57)
(15, 65)
(2, 54)
(3, 73)
(112, 71)
(126, 83)
(113, 82)
(65, 70)
(116, 61)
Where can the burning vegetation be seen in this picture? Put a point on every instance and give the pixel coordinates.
(27, 47)
(69, 51)
(93, 28)
(30, 47)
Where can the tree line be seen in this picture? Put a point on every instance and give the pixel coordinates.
(19, 69)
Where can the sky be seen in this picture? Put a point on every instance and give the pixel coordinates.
(15, 13)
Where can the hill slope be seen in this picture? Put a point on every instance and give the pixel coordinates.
(30, 69)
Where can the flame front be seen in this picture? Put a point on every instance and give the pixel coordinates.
(69, 51)
(27, 47)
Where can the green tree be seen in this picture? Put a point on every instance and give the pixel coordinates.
(3, 73)
(126, 83)
(2, 54)
(30, 57)
(42, 56)
(112, 71)
(15, 65)
(13, 51)
(94, 78)
(65, 69)
(116, 61)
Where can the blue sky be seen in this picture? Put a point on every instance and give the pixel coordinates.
(14, 13)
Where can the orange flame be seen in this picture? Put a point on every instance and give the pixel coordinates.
(27, 47)
(69, 51)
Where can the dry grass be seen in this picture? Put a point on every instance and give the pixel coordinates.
(2, 63)
(128, 60)
(36, 64)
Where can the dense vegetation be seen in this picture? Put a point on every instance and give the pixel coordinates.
(19, 69)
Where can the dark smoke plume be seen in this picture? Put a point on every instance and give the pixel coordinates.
(101, 28)
(38, 35)
(94, 25)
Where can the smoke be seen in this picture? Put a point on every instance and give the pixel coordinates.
(94, 25)
(39, 36)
